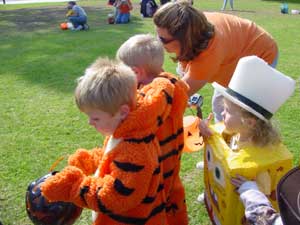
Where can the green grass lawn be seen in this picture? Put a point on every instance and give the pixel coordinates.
(39, 66)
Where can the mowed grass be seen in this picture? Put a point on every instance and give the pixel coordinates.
(39, 66)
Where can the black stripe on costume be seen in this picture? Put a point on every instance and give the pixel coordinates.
(146, 139)
(159, 121)
(250, 103)
(128, 167)
(83, 191)
(156, 171)
(171, 153)
(121, 188)
(160, 187)
(148, 200)
(101, 206)
(172, 79)
(168, 174)
(171, 207)
(128, 220)
(138, 221)
(169, 98)
(119, 218)
(125, 219)
(158, 209)
(171, 137)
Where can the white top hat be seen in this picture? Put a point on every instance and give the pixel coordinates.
(257, 87)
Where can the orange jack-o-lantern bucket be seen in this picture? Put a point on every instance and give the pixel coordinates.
(64, 26)
(192, 140)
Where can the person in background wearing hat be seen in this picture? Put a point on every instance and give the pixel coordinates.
(208, 45)
(77, 16)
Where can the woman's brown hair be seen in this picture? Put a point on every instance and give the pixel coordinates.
(187, 25)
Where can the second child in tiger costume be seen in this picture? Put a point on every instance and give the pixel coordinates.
(123, 181)
(145, 55)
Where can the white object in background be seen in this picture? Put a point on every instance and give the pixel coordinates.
(70, 26)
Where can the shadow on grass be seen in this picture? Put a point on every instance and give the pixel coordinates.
(34, 48)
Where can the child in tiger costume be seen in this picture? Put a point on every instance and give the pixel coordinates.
(123, 181)
(145, 55)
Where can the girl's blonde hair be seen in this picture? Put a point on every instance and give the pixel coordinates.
(187, 25)
(144, 51)
(264, 132)
(106, 85)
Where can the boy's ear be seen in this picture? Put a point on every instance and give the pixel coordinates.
(124, 111)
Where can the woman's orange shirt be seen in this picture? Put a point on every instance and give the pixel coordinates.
(234, 38)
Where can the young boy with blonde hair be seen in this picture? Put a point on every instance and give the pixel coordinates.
(145, 55)
(121, 182)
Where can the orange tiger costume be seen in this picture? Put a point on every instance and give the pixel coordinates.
(170, 136)
(128, 185)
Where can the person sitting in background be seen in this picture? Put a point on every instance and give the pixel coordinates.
(77, 16)
(123, 8)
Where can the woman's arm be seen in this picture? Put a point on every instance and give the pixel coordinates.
(195, 85)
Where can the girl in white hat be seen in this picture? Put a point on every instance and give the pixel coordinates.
(254, 94)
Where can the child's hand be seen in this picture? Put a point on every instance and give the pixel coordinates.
(203, 126)
(59, 186)
(85, 160)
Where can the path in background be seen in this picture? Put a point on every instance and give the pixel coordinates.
(29, 1)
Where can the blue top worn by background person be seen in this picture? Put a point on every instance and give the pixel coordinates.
(78, 17)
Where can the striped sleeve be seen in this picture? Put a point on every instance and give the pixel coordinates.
(125, 187)
(86, 160)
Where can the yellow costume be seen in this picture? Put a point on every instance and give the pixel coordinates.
(266, 165)
(69, 13)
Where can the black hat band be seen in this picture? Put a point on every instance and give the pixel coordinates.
(250, 103)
